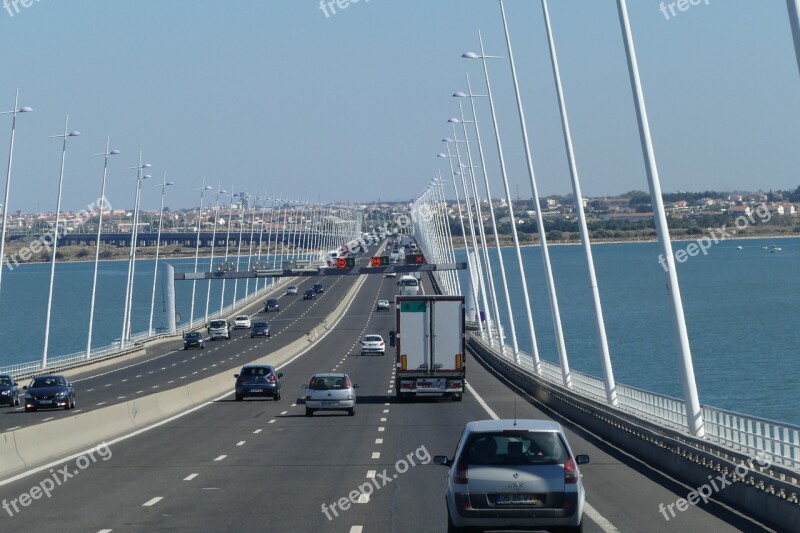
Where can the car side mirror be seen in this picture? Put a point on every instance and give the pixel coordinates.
(442, 460)
(25, 387)
(236, 375)
(280, 375)
(356, 386)
(581, 459)
(16, 384)
(304, 386)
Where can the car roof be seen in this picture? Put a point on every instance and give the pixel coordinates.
(258, 366)
(481, 426)
(330, 375)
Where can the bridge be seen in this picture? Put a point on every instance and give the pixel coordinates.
(157, 442)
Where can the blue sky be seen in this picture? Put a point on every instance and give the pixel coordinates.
(275, 97)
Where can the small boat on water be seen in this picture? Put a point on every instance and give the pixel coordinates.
(738, 247)
(776, 249)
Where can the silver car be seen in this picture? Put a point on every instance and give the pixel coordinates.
(508, 474)
(330, 392)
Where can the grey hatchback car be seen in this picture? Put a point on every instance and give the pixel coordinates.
(330, 392)
(508, 474)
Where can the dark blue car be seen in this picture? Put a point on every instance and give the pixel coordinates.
(258, 381)
(49, 392)
(9, 393)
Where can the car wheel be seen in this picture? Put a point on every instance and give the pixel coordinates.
(73, 403)
(30, 409)
(309, 411)
(239, 397)
(573, 529)
(451, 528)
(457, 397)
(351, 411)
(277, 396)
(203, 347)
(16, 403)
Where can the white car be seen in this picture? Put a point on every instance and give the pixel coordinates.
(330, 392)
(391, 274)
(514, 474)
(291, 289)
(241, 322)
(382, 305)
(373, 344)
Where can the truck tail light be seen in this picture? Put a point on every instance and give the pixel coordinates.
(403, 361)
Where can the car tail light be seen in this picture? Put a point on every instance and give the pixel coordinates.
(461, 472)
(570, 472)
(347, 385)
(271, 378)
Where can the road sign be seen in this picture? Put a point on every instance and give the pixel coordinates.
(380, 260)
(415, 259)
(346, 262)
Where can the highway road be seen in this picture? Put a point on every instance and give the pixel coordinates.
(262, 466)
(167, 365)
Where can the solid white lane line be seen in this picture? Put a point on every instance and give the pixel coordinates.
(152, 502)
(190, 477)
(105, 531)
(12, 429)
(46, 419)
(595, 516)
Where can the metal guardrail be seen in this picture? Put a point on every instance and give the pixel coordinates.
(734, 431)
(65, 362)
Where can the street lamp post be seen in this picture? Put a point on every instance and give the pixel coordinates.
(132, 254)
(213, 243)
(13, 114)
(105, 155)
(164, 184)
(202, 190)
(66, 135)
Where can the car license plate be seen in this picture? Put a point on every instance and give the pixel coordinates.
(255, 390)
(515, 499)
(329, 404)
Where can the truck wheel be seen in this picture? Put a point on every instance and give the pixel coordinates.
(457, 397)
(309, 412)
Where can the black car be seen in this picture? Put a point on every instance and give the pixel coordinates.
(52, 391)
(9, 393)
(258, 380)
(260, 329)
(194, 339)
(272, 305)
(309, 294)
(318, 288)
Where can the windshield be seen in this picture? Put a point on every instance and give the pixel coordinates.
(272, 302)
(218, 324)
(193, 335)
(242, 317)
(6, 382)
(50, 381)
(526, 448)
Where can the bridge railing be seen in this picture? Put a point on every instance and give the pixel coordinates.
(65, 362)
(739, 432)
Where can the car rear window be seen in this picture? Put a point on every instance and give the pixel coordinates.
(260, 325)
(529, 448)
(373, 338)
(256, 371)
(329, 383)
(5, 381)
(193, 335)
